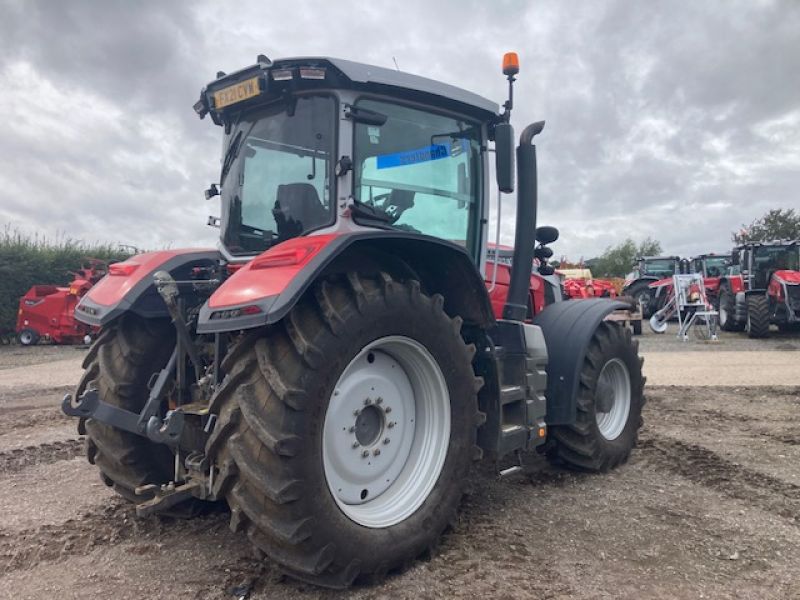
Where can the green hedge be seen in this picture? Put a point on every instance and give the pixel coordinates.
(30, 260)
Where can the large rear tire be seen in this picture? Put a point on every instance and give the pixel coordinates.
(609, 406)
(757, 316)
(119, 365)
(346, 431)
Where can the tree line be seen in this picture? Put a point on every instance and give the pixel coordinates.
(27, 260)
(776, 224)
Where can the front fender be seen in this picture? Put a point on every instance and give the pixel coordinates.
(129, 285)
(568, 328)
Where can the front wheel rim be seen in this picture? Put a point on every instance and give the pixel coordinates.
(386, 432)
(614, 380)
(26, 338)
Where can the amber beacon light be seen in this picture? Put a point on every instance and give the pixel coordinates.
(510, 63)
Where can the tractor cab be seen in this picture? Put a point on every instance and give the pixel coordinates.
(316, 146)
(711, 265)
(758, 262)
(657, 267)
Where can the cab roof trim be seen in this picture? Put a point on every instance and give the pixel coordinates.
(366, 74)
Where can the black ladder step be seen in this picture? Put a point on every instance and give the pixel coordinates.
(511, 393)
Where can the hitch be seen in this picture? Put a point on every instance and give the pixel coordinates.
(89, 406)
(166, 496)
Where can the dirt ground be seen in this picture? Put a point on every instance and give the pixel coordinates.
(708, 506)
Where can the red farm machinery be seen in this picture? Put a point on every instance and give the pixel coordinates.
(48, 311)
(579, 283)
(762, 288)
(337, 365)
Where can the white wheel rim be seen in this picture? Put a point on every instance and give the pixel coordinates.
(723, 315)
(392, 390)
(614, 380)
(25, 338)
(657, 325)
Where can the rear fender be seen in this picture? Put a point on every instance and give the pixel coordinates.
(568, 328)
(265, 290)
(129, 285)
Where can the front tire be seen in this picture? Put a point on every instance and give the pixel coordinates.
(299, 467)
(609, 405)
(28, 337)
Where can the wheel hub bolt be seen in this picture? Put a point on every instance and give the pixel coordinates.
(376, 452)
(356, 444)
(365, 454)
(378, 400)
(387, 410)
(352, 428)
(385, 440)
(367, 401)
(391, 424)
(356, 412)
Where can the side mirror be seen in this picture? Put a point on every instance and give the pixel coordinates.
(546, 234)
(504, 156)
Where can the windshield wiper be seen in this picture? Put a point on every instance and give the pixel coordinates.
(233, 151)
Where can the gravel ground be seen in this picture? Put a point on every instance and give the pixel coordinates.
(708, 506)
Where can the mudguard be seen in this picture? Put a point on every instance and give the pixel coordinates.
(265, 290)
(568, 328)
(128, 286)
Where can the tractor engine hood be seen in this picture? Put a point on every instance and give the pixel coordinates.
(788, 277)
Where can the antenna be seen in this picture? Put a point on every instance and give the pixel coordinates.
(395, 63)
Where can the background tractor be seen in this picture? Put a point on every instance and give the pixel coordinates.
(648, 270)
(48, 311)
(762, 288)
(713, 267)
(337, 365)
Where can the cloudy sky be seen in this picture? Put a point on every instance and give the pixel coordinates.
(676, 120)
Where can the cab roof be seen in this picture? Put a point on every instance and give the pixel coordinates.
(346, 73)
(363, 73)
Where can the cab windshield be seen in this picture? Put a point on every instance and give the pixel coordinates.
(277, 175)
(419, 172)
(717, 266)
(659, 268)
(777, 258)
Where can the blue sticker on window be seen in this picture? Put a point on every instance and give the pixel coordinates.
(412, 157)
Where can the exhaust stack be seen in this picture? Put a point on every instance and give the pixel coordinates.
(516, 308)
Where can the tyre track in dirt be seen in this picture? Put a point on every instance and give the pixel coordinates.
(110, 525)
(14, 461)
(705, 467)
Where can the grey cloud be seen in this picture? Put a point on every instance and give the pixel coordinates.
(655, 111)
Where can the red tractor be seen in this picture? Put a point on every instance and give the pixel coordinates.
(337, 366)
(48, 311)
(763, 288)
